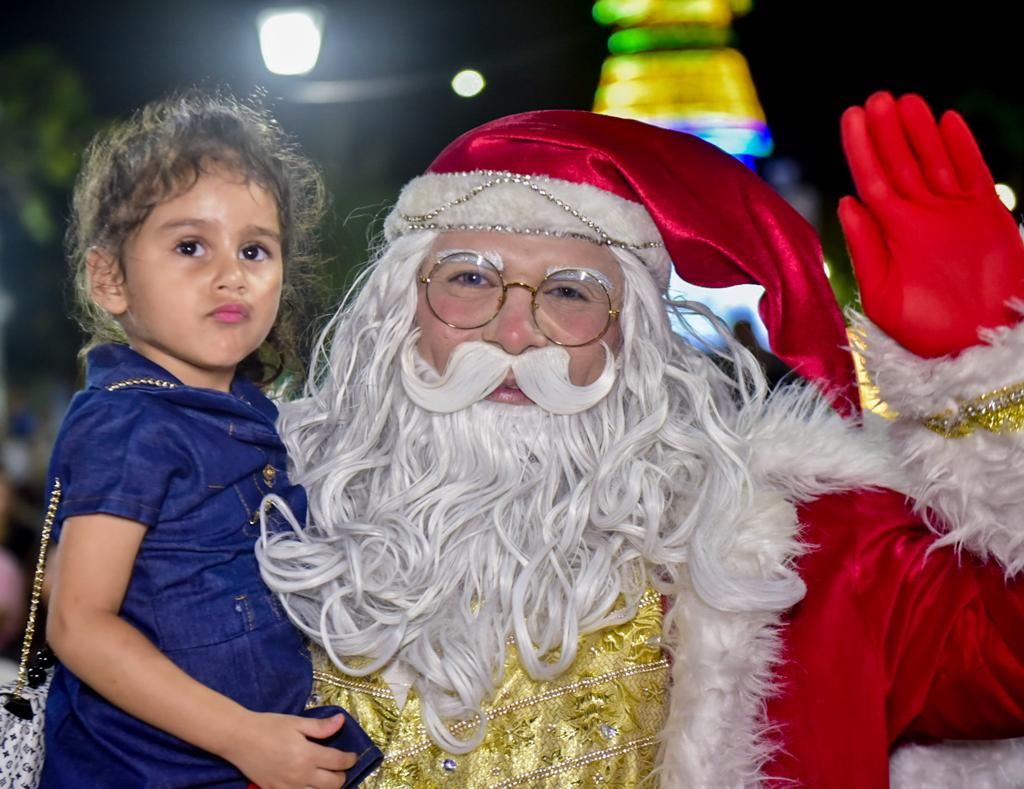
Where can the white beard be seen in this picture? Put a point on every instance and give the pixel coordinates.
(477, 529)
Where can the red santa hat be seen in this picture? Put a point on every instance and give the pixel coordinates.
(668, 197)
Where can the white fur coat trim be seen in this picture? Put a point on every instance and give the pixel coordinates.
(714, 737)
(477, 200)
(974, 484)
(918, 387)
(982, 764)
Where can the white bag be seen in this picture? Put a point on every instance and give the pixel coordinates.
(21, 735)
(22, 707)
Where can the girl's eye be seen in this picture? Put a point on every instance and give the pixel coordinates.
(254, 252)
(190, 248)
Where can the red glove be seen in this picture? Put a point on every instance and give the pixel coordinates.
(936, 253)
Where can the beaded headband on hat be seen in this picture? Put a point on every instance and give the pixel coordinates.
(630, 184)
(507, 202)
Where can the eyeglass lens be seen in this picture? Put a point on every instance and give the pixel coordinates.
(571, 306)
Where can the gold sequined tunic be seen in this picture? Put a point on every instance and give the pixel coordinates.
(594, 725)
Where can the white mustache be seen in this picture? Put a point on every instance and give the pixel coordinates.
(475, 369)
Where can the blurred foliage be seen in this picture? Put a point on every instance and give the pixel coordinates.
(833, 244)
(45, 121)
(1003, 114)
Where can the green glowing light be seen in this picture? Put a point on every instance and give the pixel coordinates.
(632, 13)
(646, 39)
(615, 12)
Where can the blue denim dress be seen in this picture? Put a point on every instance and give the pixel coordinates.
(192, 465)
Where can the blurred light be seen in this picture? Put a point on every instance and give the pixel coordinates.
(468, 83)
(631, 13)
(649, 39)
(741, 140)
(732, 304)
(616, 12)
(340, 91)
(290, 39)
(828, 270)
(1007, 196)
(703, 91)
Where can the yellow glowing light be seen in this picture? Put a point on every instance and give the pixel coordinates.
(290, 39)
(634, 13)
(1007, 196)
(468, 83)
(685, 82)
(670, 65)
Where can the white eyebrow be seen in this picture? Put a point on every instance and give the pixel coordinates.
(494, 258)
(600, 276)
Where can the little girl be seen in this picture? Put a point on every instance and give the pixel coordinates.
(177, 666)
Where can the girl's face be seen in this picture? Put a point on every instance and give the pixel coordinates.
(201, 281)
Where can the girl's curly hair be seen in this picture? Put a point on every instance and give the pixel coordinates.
(159, 153)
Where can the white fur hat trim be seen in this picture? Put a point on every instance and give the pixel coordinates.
(529, 205)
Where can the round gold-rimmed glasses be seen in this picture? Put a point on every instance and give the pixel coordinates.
(571, 306)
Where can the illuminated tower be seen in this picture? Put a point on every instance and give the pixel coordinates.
(671, 65)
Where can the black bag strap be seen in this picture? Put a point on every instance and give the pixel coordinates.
(17, 703)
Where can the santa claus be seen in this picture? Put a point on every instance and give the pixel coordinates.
(553, 543)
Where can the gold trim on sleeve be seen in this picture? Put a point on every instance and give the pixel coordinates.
(1000, 411)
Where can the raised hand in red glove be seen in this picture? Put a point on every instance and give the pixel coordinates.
(936, 253)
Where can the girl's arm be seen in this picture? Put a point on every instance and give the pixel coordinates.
(84, 629)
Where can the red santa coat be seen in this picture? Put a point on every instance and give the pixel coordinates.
(892, 642)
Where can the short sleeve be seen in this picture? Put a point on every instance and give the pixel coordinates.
(119, 453)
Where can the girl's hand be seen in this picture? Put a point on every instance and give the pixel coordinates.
(275, 752)
(936, 254)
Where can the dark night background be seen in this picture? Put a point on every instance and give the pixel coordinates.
(67, 68)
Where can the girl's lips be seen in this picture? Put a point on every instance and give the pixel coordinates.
(230, 313)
